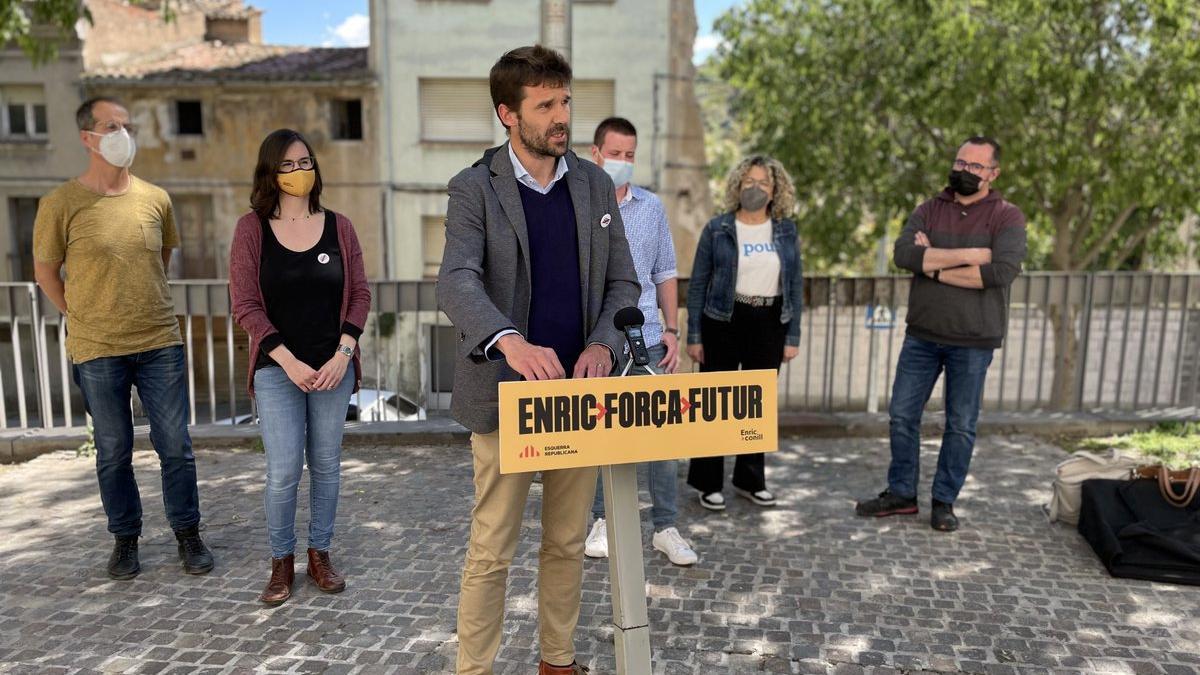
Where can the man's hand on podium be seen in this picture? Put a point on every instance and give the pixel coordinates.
(531, 361)
(595, 361)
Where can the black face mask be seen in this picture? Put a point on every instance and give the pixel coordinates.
(964, 183)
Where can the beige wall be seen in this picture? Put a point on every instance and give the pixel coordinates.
(120, 30)
(33, 168)
(221, 164)
(626, 41)
(684, 186)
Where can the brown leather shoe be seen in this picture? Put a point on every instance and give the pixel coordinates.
(321, 571)
(279, 588)
(573, 669)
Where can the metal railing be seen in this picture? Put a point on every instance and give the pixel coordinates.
(1134, 340)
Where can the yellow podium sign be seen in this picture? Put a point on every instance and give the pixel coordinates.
(564, 424)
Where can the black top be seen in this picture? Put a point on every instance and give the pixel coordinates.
(302, 292)
(963, 317)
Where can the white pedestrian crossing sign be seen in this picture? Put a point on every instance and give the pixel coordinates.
(880, 317)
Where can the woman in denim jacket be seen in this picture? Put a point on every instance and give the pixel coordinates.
(744, 302)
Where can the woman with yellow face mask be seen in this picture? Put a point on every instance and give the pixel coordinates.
(298, 288)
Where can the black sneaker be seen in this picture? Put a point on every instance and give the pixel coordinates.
(886, 504)
(196, 557)
(123, 563)
(943, 518)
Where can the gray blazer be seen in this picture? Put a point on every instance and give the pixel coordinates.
(484, 283)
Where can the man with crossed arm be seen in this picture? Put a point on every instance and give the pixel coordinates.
(965, 246)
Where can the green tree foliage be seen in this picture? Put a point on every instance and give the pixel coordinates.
(41, 26)
(865, 101)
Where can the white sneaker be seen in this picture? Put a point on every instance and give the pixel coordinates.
(596, 545)
(678, 551)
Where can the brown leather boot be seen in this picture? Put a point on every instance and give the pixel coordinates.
(573, 669)
(279, 588)
(321, 571)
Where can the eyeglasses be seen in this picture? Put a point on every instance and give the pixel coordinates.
(750, 182)
(973, 167)
(288, 166)
(113, 125)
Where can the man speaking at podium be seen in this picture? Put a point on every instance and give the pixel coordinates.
(535, 267)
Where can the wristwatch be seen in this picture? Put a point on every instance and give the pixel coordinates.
(672, 331)
(343, 349)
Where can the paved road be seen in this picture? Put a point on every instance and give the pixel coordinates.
(804, 587)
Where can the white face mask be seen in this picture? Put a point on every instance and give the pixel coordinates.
(621, 172)
(117, 147)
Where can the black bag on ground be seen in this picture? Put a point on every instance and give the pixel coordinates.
(1137, 534)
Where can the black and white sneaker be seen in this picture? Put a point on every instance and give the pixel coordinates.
(713, 501)
(760, 497)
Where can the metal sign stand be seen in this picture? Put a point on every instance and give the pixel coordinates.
(625, 566)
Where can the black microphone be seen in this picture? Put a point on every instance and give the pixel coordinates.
(630, 320)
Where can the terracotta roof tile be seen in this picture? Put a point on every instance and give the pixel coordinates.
(218, 61)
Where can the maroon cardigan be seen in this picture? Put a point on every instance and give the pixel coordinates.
(245, 292)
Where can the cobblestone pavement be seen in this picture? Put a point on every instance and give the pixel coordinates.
(804, 587)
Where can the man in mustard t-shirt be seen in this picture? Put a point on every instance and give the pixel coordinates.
(114, 234)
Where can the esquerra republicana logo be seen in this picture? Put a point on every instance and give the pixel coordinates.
(629, 410)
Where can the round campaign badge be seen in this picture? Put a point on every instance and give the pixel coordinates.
(323, 258)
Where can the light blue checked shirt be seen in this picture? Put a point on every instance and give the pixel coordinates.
(653, 252)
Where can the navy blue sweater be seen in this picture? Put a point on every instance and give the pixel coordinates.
(555, 308)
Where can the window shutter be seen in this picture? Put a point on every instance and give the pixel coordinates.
(433, 241)
(591, 104)
(456, 111)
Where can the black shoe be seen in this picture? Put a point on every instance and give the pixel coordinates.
(196, 557)
(943, 518)
(123, 563)
(886, 504)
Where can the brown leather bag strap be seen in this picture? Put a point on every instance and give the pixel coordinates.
(1181, 498)
(1147, 471)
(1151, 471)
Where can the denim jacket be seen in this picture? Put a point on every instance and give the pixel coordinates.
(714, 275)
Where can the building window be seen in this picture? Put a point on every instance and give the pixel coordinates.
(21, 213)
(591, 104)
(23, 112)
(189, 118)
(199, 254)
(347, 120)
(433, 242)
(443, 342)
(456, 111)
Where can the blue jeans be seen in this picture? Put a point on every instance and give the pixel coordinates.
(299, 427)
(661, 478)
(917, 370)
(161, 379)
(662, 482)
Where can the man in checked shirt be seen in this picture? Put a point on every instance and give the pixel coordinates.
(614, 147)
